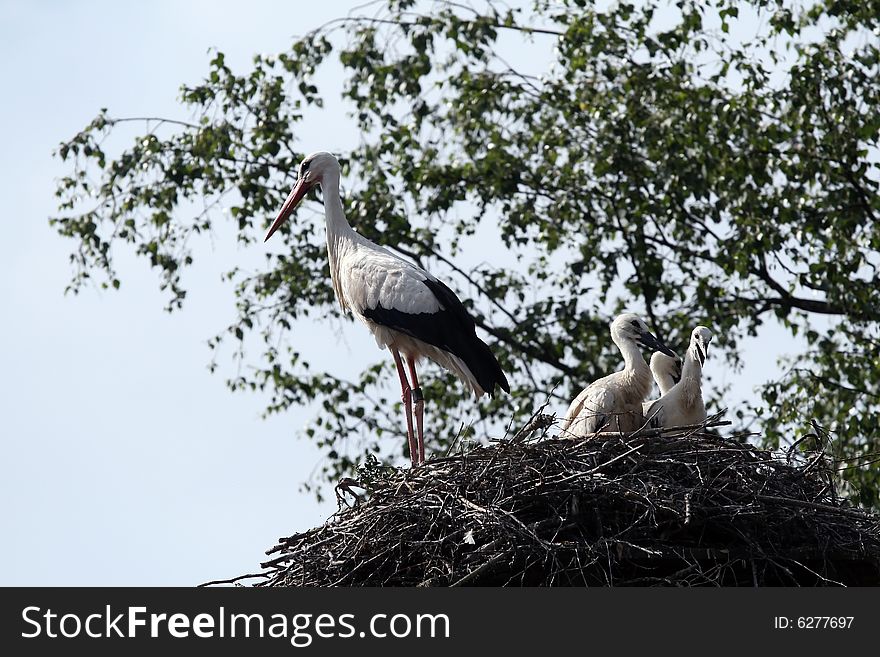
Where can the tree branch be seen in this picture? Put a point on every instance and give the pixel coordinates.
(788, 300)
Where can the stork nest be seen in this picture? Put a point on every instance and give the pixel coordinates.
(679, 507)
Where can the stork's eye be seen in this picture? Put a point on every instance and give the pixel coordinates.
(635, 323)
(305, 166)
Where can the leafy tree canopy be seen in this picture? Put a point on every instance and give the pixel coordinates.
(668, 160)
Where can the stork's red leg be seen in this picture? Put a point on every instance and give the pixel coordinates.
(419, 400)
(406, 397)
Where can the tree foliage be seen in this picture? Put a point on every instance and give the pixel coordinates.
(699, 163)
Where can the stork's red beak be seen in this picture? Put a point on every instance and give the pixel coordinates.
(296, 195)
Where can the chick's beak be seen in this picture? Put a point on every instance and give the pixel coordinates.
(649, 341)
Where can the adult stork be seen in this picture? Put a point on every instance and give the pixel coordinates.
(615, 401)
(406, 309)
(666, 371)
(683, 403)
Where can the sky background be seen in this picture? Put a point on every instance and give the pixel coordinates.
(124, 461)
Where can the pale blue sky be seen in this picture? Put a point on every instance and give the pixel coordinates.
(124, 462)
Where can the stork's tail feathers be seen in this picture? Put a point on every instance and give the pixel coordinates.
(485, 367)
(452, 331)
(464, 343)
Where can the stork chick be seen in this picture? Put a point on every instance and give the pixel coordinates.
(683, 403)
(666, 371)
(615, 401)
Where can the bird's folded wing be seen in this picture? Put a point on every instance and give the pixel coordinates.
(589, 409)
(379, 281)
(653, 411)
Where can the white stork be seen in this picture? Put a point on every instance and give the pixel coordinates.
(683, 403)
(615, 400)
(407, 309)
(666, 371)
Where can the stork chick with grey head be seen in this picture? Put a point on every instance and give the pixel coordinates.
(407, 310)
(614, 402)
(683, 403)
(666, 371)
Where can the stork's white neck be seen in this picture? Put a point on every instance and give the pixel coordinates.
(340, 234)
(691, 384)
(337, 225)
(692, 370)
(664, 380)
(636, 375)
(632, 357)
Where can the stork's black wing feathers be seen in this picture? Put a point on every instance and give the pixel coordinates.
(452, 329)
